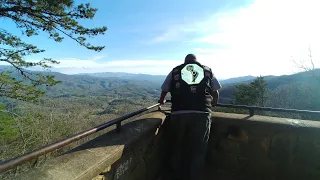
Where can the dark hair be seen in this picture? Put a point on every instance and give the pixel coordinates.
(190, 57)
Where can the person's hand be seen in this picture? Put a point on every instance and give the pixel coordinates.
(162, 101)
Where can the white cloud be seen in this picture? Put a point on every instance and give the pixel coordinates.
(169, 35)
(259, 39)
(98, 57)
(179, 31)
(262, 38)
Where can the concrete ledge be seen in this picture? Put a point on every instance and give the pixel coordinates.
(97, 156)
(243, 120)
(266, 148)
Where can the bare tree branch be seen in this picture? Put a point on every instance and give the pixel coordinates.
(311, 60)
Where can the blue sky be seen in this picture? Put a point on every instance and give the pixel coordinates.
(233, 37)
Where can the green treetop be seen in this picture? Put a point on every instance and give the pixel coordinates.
(254, 93)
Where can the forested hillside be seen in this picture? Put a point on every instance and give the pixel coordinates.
(299, 91)
(77, 103)
(83, 101)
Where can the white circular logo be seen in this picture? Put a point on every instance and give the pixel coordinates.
(192, 74)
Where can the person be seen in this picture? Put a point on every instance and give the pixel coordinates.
(194, 91)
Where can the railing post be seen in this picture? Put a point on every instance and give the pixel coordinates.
(118, 128)
(251, 111)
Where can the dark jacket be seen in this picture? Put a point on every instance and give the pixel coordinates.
(191, 87)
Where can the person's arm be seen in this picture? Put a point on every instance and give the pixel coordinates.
(165, 88)
(162, 97)
(215, 85)
(215, 96)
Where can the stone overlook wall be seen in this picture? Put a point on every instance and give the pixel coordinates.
(240, 148)
(136, 153)
(265, 148)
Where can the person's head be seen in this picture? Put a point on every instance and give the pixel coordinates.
(190, 58)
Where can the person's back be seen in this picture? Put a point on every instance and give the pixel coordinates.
(194, 90)
(190, 87)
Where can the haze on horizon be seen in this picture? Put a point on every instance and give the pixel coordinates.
(234, 38)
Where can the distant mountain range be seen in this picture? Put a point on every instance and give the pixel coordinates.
(237, 80)
(159, 78)
(127, 76)
(299, 90)
(142, 77)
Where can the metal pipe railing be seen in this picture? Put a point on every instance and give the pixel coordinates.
(6, 165)
(253, 108)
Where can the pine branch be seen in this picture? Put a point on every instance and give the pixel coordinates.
(31, 17)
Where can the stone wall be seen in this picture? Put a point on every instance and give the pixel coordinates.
(240, 148)
(264, 148)
(136, 153)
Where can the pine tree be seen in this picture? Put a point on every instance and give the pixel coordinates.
(254, 93)
(58, 19)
